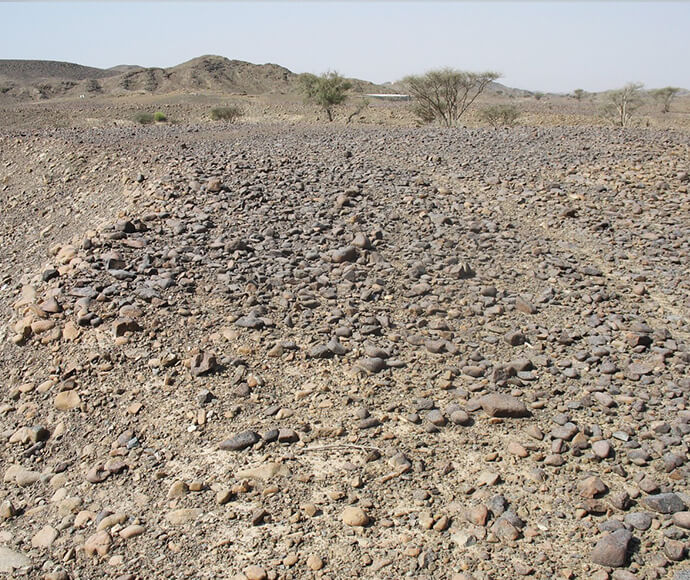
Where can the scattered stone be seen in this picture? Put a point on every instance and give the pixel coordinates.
(354, 516)
(255, 573)
(98, 544)
(665, 503)
(44, 538)
(264, 472)
(314, 562)
(501, 405)
(132, 531)
(11, 560)
(612, 549)
(183, 516)
(592, 487)
(240, 441)
(67, 400)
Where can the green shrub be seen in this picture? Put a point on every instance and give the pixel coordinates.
(144, 118)
(327, 91)
(159, 117)
(500, 115)
(230, 113)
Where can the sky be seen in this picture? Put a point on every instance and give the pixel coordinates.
(550, 46)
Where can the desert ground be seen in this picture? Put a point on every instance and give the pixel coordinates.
(283, 348)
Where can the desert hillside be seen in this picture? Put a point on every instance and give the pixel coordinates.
(26, 71)
(32, 80)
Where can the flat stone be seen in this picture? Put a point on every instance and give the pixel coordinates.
(67, 400)
(565, 432)
(202, 364)
(674, 550)
(346, 254)
(639, 520)
(592, 487)
(501, 405)
(682, 519)
(25, 477)
(182, 516)
(97, 474)
(601, 448)
(255, 573)
(132, 531)
(525, 306)
(250, 322)
(371, 364)
(10, 560)
(665, 503)
(44, 538)
(263, 472)
(240, 441)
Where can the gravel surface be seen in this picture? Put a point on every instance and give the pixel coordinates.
(283, 351)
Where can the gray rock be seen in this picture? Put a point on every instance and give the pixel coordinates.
(665, 503)
(436, 417)
(250, 322)
(601, 448)
(639, 520)
(240, 441)
(347, 254)
(523, 305)
(371, 364)
(612, 549)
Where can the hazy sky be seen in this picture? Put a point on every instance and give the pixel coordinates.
(547, 46)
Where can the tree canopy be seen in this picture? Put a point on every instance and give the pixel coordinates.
(327, 90)
(444, 95)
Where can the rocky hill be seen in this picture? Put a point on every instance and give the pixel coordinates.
(29, 71)
(45, 79)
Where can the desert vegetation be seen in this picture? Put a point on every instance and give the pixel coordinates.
(327, 90)
(500, 115)
(622, 104)
(229, 113)
(445, 95)
(144, 118)
(664, 97)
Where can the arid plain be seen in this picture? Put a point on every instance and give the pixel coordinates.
(286, 348)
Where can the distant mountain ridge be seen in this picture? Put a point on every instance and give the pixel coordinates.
(31, 70)
(43, 79)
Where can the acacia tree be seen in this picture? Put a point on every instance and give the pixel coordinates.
(578, 94)
(444, 95)
(665, 96)
(327, 90)
(622, 104)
